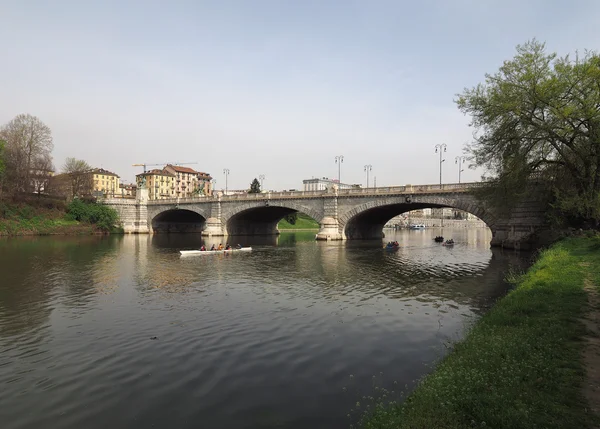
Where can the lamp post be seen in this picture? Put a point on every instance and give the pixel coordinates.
(459, 160)
(338, 160)
(441, 148)
(261, 177)
(368, 168)
(226, 173)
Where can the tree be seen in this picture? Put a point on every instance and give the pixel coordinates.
(2, 164)
(254, 187)
(80, 179)
(41, 173)
(291, 218)
(538, 118)
(27, 138)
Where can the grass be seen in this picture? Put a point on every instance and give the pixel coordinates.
(38, 217)
(521, 364)
(303, 222)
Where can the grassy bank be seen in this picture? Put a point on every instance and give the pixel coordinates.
(302, 222)
(521, 365)
(43, 216)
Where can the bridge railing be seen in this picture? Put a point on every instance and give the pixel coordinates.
(451, 187)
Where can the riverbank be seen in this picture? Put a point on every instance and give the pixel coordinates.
(303, 222)
(44, 216)
(522, 364)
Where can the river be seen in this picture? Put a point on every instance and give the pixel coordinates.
(122, 332)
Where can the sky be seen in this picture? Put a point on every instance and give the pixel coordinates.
(274, 88)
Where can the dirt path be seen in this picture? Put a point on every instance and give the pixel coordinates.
(591, 352)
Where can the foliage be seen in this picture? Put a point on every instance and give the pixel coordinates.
(2, 154)
(29, 215)
(291, 218)
(104, 217)
(28, 142)
(521, 364)
(2, 164)
(254, 187)
(538, 118)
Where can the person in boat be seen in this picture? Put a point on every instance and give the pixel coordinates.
(203, 248)
(239, 246)
(212, 249)
(227, 247)
(220, 246)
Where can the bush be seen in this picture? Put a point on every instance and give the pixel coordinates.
(102, 216)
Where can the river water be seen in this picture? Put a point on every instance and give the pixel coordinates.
(122, 332)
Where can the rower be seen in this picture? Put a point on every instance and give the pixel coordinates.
(220, 246)
(239, 246)
(213, 248)
(203, 248)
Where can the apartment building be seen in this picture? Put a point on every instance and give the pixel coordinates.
(189, 182)
(104, 182)
(161, 184)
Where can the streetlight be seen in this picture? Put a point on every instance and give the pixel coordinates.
(368, 168)
(338, 160)
(459, 160)
(226, 173)
(261, 177)
(442, 148)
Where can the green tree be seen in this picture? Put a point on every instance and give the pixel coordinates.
(538, 118)
(254, 187)
(292, 218)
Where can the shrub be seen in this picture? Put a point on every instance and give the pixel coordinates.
(102, 216)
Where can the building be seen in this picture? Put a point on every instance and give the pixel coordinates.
(161, 184)
(189, 182)
(324, 183)
(104, 182)
(128, 190)
(97, 182)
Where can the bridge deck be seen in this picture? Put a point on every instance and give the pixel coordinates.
(449, 188)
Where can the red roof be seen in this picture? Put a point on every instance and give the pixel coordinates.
(182, 169)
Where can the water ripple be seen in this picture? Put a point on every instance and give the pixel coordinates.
(123, 332)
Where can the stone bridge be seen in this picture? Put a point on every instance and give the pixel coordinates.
(348, 214)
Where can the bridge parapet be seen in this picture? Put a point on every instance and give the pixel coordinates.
(385, 190)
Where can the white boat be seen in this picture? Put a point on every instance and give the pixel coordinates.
(417, 226)
(213, 252)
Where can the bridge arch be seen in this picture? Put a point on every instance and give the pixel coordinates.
(366, 221)
(262, 217)
(175, 220)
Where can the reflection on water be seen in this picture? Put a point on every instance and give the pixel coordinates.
(101, 331)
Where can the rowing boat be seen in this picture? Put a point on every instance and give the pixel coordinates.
(213, 252)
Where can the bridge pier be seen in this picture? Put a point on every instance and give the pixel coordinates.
(330, 229)
(213, 228)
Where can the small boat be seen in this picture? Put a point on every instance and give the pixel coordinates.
(392, 246)
(448, 243)
(417, 226)
(213, 252)
(439, 239)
